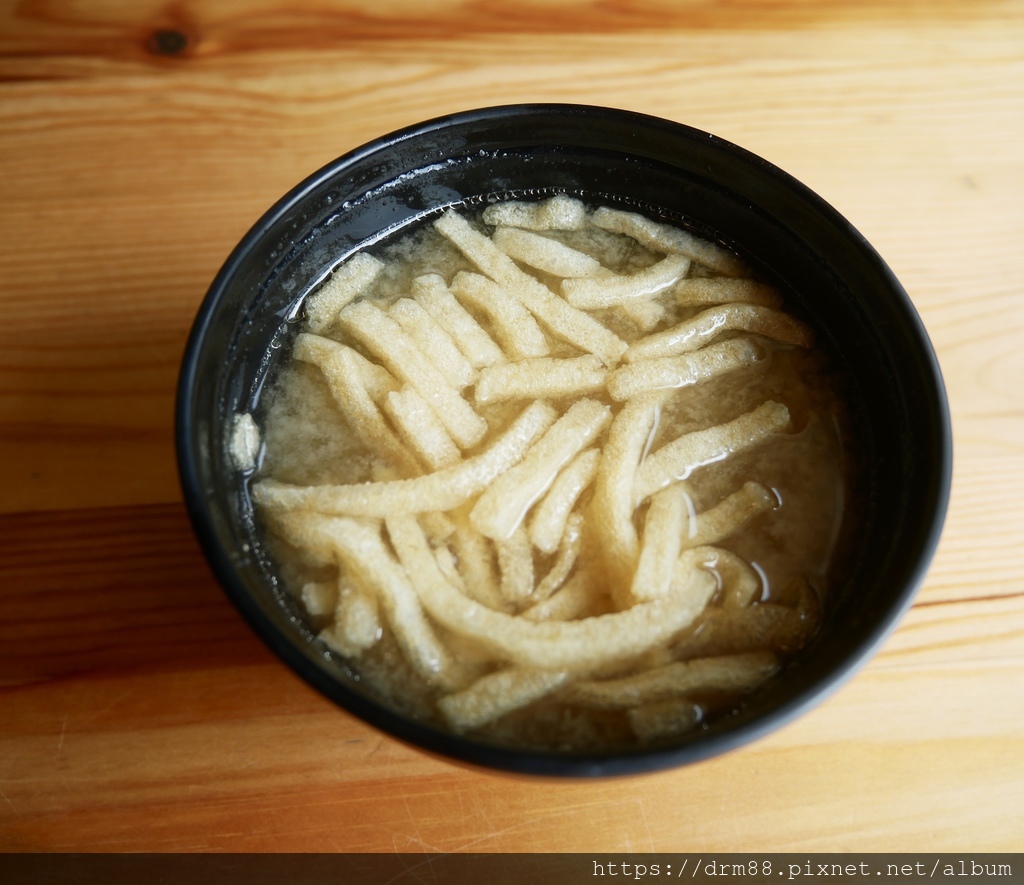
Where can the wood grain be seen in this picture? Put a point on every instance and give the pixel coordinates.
(118, 590)
(139, 141)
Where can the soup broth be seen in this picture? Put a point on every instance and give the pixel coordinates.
(556, 475)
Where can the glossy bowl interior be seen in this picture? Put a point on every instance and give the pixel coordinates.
(617, 158)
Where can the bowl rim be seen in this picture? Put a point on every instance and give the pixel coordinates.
(459, 748)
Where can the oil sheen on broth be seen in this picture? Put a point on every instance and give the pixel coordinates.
(652, 540)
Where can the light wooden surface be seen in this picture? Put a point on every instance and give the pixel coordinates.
(137, 712)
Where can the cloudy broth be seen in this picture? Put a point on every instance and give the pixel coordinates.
(687, 416)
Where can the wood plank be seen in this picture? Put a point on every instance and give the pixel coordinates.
(126, 665)
(110, 29)
(123, 589)
(140, 712)
(64, 360)
(278, 773)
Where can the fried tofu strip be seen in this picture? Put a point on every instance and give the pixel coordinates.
(358, 546)
(420, 426)
(741, 584)
(396, 350)
(504, 504)
(347, 282)
(564, 321)
(568, 553)
(438, 525)
(443, 490)
(319, 597)
(679, 458)
(592, 294)
(585, 643)
(697, 331)
(469, 336)
(668, 240)
(498, 693)
(701, 291)
(304, 535)
(357, 623)
(684, 370)
(644, 315)
(515, 562)
(335, 360)
(514, 326)
(434, 341)
(611, 510)
(729, 515)
(763, 626)
(548, 524)
(662, 541)
(545, 254)
(560, 212)
(355, 383)
(449, 567)
(671, 681)
(575, 599)
(664, 719)
(357, 619)
(542, 378)
(476, 563)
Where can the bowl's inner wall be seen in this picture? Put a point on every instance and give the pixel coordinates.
(840, 283)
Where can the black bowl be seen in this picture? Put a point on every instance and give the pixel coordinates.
(615, 157)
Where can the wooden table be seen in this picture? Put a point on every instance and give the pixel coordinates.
(139, 141)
